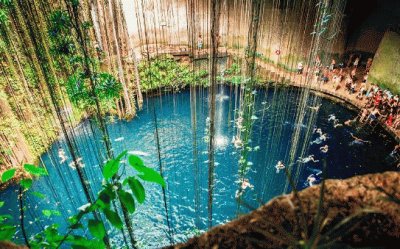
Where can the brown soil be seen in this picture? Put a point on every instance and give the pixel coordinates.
(260, 229)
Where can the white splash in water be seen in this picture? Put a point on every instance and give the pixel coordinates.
(119, 139)
(138, 153)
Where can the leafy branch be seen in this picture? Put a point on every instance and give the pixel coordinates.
(127, 189)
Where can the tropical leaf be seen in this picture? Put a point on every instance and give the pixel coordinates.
(112, 166)
(127, 200)
(145, 173)
(7, 175)
(26, 183)
(7, 232)
(97, 229)
(137, 189)
(37, 171)
(110, 169)
(113, 218)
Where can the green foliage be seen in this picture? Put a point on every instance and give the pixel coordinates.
(233, 73)
(79, 90)
(26, 183)
(137, 189)
(110, 169)
(7, 175)
(113, 189)
(97, 229)
(3, 17)
(7, 232)
(3, 11)
(49, 213)
(145, 173)
(113, 218)
(36, 171)
(60, 23)
(166, 72)
(83, 86)
(127, 200)
(5, 2)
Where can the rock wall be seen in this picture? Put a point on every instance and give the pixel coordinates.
(385, 69)
(263, 227)
(285, 26)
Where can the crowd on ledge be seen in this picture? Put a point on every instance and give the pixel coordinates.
(379, 105)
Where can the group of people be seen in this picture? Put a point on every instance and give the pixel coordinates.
(380, 105)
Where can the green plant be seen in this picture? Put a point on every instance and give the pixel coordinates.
(166, 72)
(107, 89)
(127, 189)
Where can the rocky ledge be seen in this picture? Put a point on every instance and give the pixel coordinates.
(375, 217)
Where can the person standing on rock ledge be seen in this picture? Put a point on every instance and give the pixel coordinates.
(199, 44)
(300, 68)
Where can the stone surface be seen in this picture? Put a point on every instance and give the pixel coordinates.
(275, 224)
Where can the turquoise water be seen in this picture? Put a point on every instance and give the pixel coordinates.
(274, 124)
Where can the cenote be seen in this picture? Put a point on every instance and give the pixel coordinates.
(186, 170)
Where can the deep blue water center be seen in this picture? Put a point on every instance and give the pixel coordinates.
(273, 128)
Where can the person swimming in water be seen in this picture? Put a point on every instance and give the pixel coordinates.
(313, 178)
(350, 122)
(72, 164)
(320, 139)
(318, 131)
(244, 184)
(336, 123)
(324, 149)
(307, 159)
(315, 108)
(279, 166)
(332, 117)
(239, 122)
(62, 156)
(358, 141)
(237, 142)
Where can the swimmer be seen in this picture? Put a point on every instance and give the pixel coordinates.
(237, 142)
(279, 166)
(72, 165)
(307, 159)
(314, 178)
(395, 151)
(350, 122)
(315, 108)
(239, 122)
(336, 123)
(244, 184)
(62, 156)
(332, 117)
(358, 141)
(320, 139)
(324, 149)
(323, 137)
(318, 131)
(311, 179)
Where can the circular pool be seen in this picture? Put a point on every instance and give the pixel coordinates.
(186, 168)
